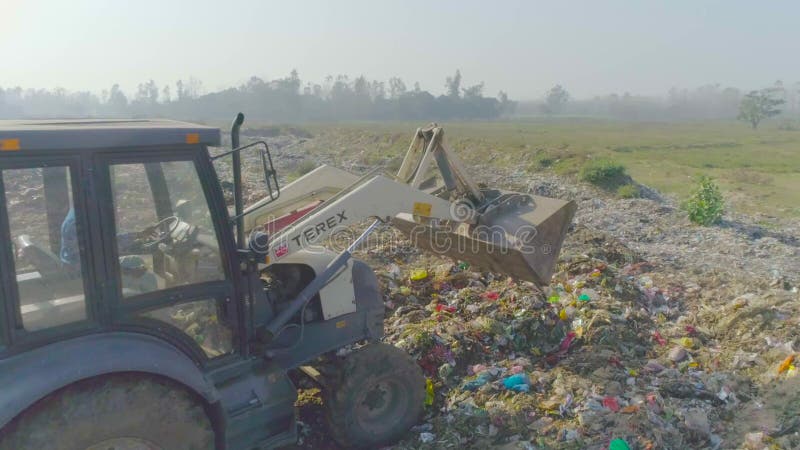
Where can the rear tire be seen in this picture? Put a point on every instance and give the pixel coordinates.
(377, 395)
(120, 413)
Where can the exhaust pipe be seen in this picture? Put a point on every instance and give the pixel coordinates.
(237, 180)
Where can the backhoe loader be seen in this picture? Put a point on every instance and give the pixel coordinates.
(139, 312)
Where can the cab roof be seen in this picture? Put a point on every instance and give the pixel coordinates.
(101, 134)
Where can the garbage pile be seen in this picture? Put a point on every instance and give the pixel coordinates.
(607, 356)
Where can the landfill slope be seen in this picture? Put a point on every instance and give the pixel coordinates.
(653, 334)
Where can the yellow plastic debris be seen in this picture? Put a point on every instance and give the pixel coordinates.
(786, 364)
(687, 342)
(418, 274)
(429, 392)
(563, 315)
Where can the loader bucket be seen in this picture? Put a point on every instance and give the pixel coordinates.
(519, 239)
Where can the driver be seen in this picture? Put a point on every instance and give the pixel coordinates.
(69, 240)
(134, 271)
(69, 253)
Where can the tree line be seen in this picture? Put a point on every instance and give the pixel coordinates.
(708, 102)
(284, 99)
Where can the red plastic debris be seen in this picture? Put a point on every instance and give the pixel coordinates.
(447, 308)
(611, 403)
(658, 338)
(615, 361)
(554, 356)
(691, 331)
(491, 295)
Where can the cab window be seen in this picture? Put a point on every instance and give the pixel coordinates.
(165, 233)
(44, 232)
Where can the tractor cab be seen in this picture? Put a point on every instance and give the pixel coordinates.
(152, 226)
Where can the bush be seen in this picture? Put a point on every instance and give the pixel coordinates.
(603, 172)
(302, 168)
(706, 205)
(628, 191)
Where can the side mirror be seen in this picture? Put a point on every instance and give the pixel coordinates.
(270, 175)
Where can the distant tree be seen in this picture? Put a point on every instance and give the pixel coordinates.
(361, 87)
(341, 88)
(179, 90)
(453, 85)
(281, 99)
(193, 88)
(475, 91)
(289, 85)
(506, 106)
(117, 99)
(377, 90)
(147, 93)
(759, 105)
(396, 87)
(555, 99)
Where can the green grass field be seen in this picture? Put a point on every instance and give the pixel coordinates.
(758, 171)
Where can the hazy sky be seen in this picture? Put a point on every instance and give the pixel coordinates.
(523, 47)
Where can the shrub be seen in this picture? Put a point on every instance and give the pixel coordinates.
(304, 167)
(628, 191)
(602, 172)
(706, 204)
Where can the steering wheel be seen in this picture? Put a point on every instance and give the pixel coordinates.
(158, 232)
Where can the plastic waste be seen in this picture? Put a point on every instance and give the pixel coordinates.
(584, 297)
(518, 383)
(429, 395)
(554, 356)
(393, 271)
(491, 295)
(786, 364)
(677, 354)
(482, 379)
(611, 403)
(418, 274)
(427, 438)
(447, 308)
(619, 444)
(478, 368)
(563, 408)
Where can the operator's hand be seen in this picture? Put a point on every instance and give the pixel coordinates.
(148, 234)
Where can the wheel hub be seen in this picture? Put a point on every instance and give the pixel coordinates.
(380, 405)
(376, 398)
